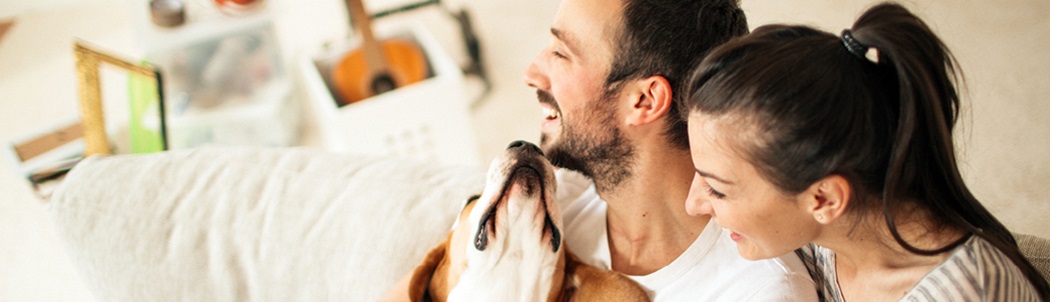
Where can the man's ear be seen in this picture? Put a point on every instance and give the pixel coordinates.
(651, 98)
(829, 198)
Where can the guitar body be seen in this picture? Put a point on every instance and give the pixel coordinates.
(354, 79)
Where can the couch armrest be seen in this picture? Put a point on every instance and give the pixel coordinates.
(1037, 250)
(246, 223)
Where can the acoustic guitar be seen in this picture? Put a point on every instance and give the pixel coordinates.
(375, 66)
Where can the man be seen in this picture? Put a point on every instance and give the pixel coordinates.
(609, 81)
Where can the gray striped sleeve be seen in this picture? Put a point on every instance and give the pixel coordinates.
(976, 271)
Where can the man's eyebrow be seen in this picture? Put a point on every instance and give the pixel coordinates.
(712, 176)
(566, 38)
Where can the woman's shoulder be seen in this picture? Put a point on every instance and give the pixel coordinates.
(816, 259)
(819, 262)
(975, 270)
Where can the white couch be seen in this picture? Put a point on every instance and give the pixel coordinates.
(240, 223)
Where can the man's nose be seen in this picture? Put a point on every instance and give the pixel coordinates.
(535, 76)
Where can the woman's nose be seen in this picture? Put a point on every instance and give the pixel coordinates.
(696, 203)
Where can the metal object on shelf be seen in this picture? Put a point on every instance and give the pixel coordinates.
(167, 13)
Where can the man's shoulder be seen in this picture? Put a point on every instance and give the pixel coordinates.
(783, 278)
(737, 279)
(724, 251)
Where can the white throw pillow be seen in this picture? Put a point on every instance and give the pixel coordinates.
(259, 224)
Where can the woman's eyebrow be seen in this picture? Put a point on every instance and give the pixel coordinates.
(712, 176)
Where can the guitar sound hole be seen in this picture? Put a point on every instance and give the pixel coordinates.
(382, 83)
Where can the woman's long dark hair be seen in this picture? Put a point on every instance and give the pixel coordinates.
(884, 122)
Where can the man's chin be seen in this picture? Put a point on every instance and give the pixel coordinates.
(561, 158)
(546, 142)
(560, 155)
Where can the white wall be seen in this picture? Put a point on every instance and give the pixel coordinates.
(1002, 47)
(11, 8)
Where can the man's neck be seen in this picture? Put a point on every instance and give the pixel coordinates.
(647, 224)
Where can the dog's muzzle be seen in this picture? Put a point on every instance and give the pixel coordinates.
(528, 173)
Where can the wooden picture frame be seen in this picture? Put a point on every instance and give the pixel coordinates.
(96, 141)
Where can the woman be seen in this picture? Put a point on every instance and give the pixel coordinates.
(842, 145)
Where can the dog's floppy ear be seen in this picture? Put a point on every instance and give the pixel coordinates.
(472, 199)
(421, 275)
(424, 273)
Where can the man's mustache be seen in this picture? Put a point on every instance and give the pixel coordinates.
(546, 98)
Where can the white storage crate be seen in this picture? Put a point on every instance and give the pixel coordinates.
(224, 79)
(427, 120)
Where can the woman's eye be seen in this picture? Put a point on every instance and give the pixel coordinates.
(558, 54)
(715, 194)
(711, 191)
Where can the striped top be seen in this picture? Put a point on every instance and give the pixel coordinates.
(975, 271)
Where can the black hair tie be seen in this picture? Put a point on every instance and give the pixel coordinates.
(859, 50)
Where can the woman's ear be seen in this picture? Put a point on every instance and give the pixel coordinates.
(829, 198)
(651, 98)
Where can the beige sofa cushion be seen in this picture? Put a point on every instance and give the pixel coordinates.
(236, 224)
(1037, 250)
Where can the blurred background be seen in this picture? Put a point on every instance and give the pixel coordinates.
(1001, 46)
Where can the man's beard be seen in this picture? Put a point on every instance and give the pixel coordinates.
(593, 145)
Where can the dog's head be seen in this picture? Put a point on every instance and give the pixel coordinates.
(517, 211)
(512, 232)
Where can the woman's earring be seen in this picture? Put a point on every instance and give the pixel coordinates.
(820, 217)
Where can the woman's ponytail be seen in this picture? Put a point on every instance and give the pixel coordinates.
(922, 163)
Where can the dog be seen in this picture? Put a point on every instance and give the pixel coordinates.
(506, 245)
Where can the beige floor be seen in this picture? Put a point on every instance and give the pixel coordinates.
(1001, 46)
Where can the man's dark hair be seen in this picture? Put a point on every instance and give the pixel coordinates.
(668, 38)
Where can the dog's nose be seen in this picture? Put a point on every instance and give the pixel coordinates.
(524, 144)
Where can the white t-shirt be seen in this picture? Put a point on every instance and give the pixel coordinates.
(709, 270)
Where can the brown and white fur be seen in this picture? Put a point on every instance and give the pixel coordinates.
(506, 245)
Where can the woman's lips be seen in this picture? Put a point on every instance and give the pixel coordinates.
(732, 235)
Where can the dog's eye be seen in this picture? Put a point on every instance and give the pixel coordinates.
(472, 199)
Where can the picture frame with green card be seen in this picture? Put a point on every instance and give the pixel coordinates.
(129, 120)
(137, 126)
